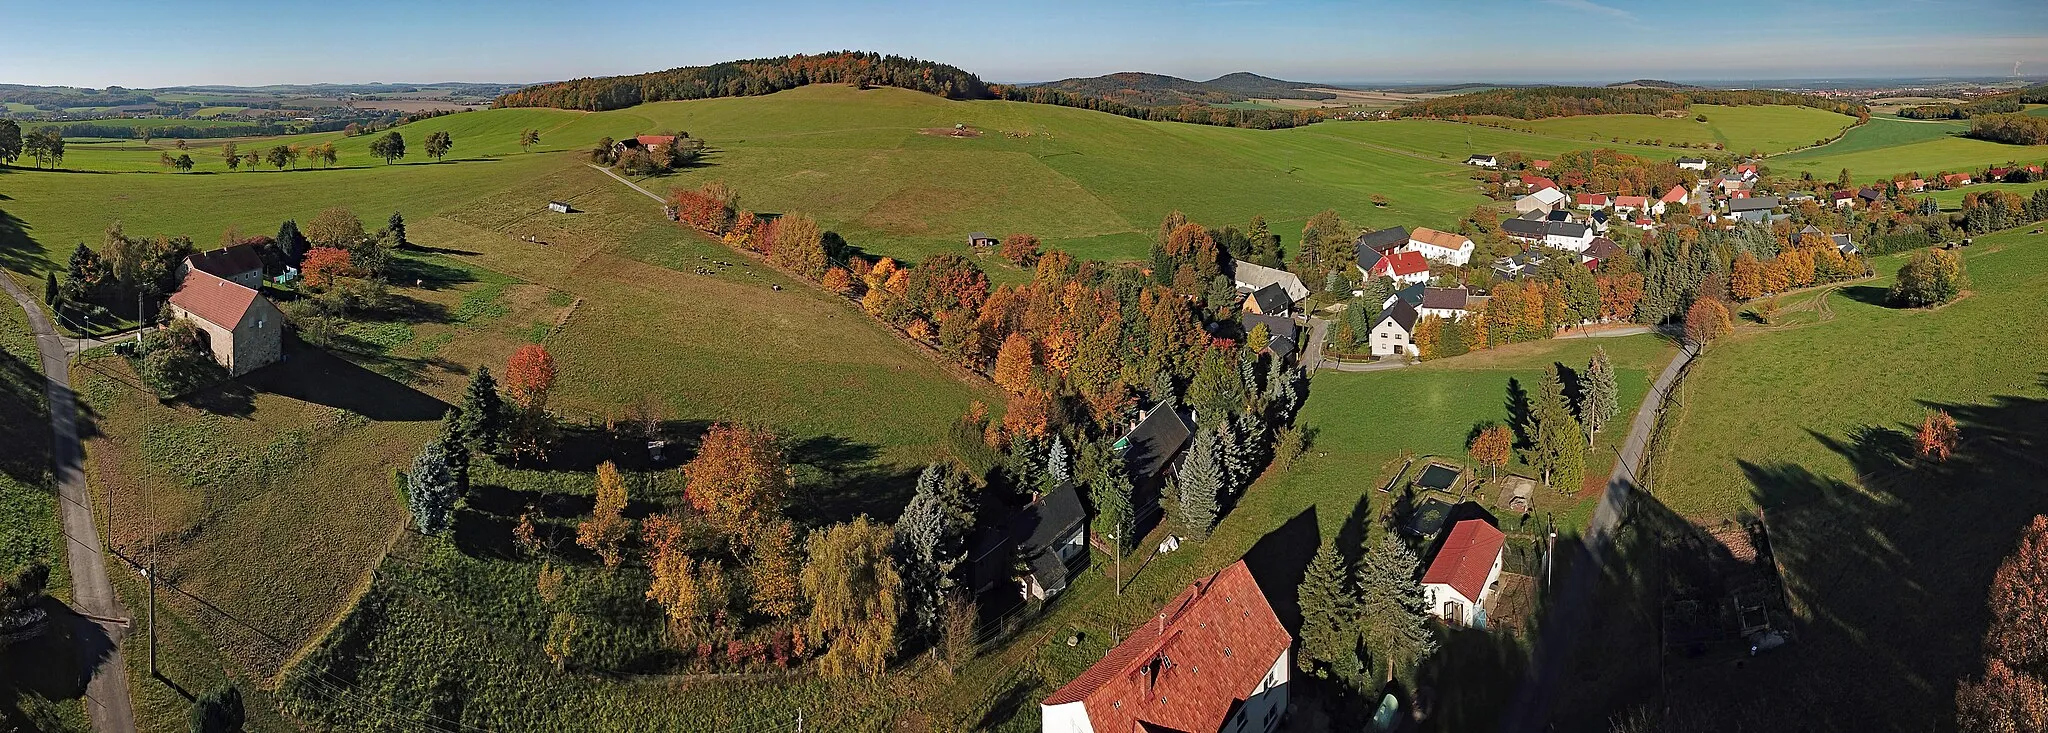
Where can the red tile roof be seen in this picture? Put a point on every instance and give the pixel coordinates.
(1590, 199)
(1535, 181)
(1190, 666)
(1467, 557)
(212, 299)
(1635, 201)
(228, 261)
(1675, 195)
(1402, 263)
(649, 141)
(1541, 165)
(1953, 178)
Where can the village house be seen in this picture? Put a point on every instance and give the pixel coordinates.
(1842, 199)
(1382, 241)
(1483, 161)
(1152, 451)
(1541, 165)
(651, 143)
(1445, 247)
(1445, 303)
(1271, 300)
(1568, 235)
(1518, 264)
(1913, 185)
(1753, 209)
(1543, 199)
(1250, 278)
(241, 264)
(1535, 182)
(1599, 250)
(1041, 547)
(1402, 267)
(1693, 164)
(1956, 179)
(1677, 196)
(1462, 575)
(1869, 196)
(1412, 294)
(1590, 201)
(1215, 659)
(1394, 333)
(1746, 171)
(1283, 334)
(1633, 204)
(243, 329)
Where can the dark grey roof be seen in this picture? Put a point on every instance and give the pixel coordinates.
(1272, 298)
(1810, 229)
(1570, 229)
(1692, 160)
(1402, 313)
(1384, 239)
(1601, 215)
(1276, 326)
(1155, 441)
(1531, 215)
(1283, 346)
(1412, 294)
(975, 236)
(1367, 257)
(1055, 516)
(1444, 298)
(1754, 203)
(227, 262)
(1870, 194)
(1523, 227)
(1558, 216)
(1602, 248)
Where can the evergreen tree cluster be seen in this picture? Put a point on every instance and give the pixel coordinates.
(1358, 620)
(751, 77)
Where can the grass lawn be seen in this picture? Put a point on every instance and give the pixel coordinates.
(1952, 199)
(1887, 559)
(1766, 128)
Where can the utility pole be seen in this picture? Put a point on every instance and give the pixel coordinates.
(1550, 555)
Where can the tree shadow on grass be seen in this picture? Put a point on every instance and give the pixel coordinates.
(19, 251)
(838, 479)
(1868, 295)
(1279, 560)
(426, 273)
(24, 420)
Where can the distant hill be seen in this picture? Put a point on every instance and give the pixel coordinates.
(751, 77)
(1158, 90)
(1650, 84)
(1537, 103)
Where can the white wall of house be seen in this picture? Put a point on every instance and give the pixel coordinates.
(1575, 244)
(1440, 597)
(1443, 313)
(1459, 256)
(1267, 703)
(1068, 718)
(1691, 165)
(1388, 339)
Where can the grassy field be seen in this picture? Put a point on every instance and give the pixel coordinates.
(1887, 558)
(1952, 199)
(1887, 146)
(1766, 128)
(860, 161)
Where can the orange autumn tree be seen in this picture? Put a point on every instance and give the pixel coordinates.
(1491, 448)
(738, 480)
(691, 591)
(2012, 695)
(605, 531)
(529, 375)
(1746, 277)
(323, 264)
(1014, 363)
(838, 280)
(1706, 321)
(1938, 437)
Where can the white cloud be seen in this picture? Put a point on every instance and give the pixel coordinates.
(1588, 6)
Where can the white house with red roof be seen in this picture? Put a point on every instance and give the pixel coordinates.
(1405, 267)
(243, 330)
(1461, 577)
(1445, 247)
(1590, 201)
(1214, 660)
(1631, 204)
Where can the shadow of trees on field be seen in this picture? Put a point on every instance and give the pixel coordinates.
(1868, 295)
(24, 419)
(19, 251)
(54, 664)
(314, 375)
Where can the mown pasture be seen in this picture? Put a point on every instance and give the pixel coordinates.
(1738, 129)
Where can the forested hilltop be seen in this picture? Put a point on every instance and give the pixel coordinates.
(750, 78)
(1536, 103)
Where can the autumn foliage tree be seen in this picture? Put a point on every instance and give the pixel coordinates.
(738, 480)
(606, 530)
(1014, 363)
(799, 247)
(1937, 438)
(2012, 695)
(529, 375)
(855, 595)
(1707, 321)
(1491, 448)
(1021, 249)
(323, 265)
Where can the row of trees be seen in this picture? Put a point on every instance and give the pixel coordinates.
(1530, 103)
(45, 146)
(751, 77)
(1812, 260)
(2011, 129)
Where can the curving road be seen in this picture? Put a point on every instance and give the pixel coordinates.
(91, 595)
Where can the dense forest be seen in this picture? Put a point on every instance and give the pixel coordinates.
(2011, 129)
(1157, 90)
(750, 78)
(1541, 102)
(54, 98)
(2006, 103)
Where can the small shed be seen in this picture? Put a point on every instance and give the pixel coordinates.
(981, 239)
(560, 207)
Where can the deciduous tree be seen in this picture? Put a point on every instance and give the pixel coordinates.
(853, 587)
(1015, 363)
(324, 265)
(1492, 447)
(1021, 249)
(390, 147)
(1938, 436)
(1930, 277)
(529, 375)
(438, 144)
(738, 480)
(605, 531)
(528, 138)
(335, 226)
(1707, 321)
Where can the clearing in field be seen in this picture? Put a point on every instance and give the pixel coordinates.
(1887, 557)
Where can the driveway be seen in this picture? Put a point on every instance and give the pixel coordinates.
(93, 597)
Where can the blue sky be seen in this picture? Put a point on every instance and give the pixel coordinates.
(147, 44)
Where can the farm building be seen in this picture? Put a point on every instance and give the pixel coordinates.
(981, 239)
(1454, 249)
(560, 207)
(1250, 277)
(1693, 164)
(650, 143)
(1755, 209)
(1483, 161)
(1394, 333)
(243, 330)
(241, 264)
(1543, 199)
(1463, 573)
(1215, 659)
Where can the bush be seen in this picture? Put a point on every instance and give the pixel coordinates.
(175, 360)
(1931, 277)
(218, 711)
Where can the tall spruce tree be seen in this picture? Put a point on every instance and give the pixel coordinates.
(483, 418)
(1329, 614)
(291, 242)
(431, 490)
(931, 540)
(395, 228)
(1199, 482)
(450, 438)
(1394, 618)
(1114, 512)
(1560, 446)
(1059, 463)
(1601, 393)
(1230, 453)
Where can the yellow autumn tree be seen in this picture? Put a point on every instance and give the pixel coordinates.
(773, 569)
(853, 586)
(605, 531)
(1014, 363)
(737, 481)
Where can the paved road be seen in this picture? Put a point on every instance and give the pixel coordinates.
(107, 691)
(630, 184)
(1570, 602)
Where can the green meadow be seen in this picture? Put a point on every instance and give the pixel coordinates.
(1887, 557)
(1765, 128)
(1888, 146)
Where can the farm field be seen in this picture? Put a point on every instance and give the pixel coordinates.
(1090, 183)
(1952, 199)
(1872, 542)
(1887, 146)
(1740, 129)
